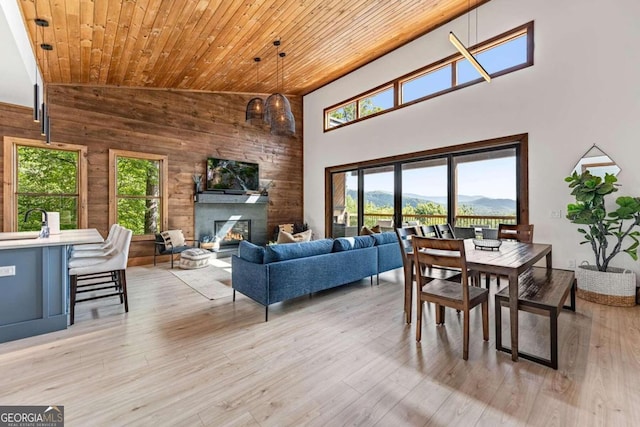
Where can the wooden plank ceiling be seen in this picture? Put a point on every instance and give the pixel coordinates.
(209, 45)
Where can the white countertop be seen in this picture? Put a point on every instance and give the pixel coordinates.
(30, 239)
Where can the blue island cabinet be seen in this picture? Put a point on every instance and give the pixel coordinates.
(34, 301)
(34, 284)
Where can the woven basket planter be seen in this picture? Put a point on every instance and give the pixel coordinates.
(616, 286)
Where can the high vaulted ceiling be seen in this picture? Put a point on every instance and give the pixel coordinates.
(210, 44)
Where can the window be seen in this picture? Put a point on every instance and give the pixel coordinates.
(376, 102)
(425, 191)
(426, 84)
(483, 184)
(341, 115)
(137, 182)
(371, 103)
(503, 56)
(345, 208)
(486, 188)
(378, 185)
(500, 55)
(51, 177)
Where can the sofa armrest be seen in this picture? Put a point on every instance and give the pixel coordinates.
(250, 279)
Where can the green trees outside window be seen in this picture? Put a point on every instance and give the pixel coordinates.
(47, 178)
(138, 183)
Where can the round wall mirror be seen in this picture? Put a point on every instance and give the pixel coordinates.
(597, 162)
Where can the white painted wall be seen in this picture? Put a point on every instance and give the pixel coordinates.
(17, 64)
(582, 89)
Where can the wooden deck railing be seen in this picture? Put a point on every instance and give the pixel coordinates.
(484, 221)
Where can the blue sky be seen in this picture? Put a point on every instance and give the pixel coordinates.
(494, 178)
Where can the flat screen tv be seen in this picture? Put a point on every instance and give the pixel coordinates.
(233, 175)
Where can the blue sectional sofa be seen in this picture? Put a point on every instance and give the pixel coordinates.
(280, 272)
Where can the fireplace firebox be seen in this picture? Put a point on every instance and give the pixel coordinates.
(232, 231)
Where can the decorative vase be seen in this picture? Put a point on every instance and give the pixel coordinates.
(616, 286)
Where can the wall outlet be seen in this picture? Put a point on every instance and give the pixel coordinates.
(571, 263)
(556, 214)
(7, 270)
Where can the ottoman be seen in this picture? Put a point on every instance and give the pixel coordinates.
(194, 258)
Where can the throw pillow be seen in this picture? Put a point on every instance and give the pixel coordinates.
(303, 236)
(173, 238)
(284, 237)
(366, 231)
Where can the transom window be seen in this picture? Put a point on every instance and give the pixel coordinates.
(138, 187)
(500, 55)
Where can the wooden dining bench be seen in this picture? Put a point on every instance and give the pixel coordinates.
(540, 291)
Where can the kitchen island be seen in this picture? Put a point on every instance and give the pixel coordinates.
(34, 284)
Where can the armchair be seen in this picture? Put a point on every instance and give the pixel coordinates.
(171, 242)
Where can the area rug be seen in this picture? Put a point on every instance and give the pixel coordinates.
(213, 281)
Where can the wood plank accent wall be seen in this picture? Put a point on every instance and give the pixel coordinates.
(186, 126)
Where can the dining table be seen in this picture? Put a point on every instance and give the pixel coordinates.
(510, 259)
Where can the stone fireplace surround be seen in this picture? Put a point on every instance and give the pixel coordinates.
(210, 207)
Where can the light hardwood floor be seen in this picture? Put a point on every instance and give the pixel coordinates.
(340, 357)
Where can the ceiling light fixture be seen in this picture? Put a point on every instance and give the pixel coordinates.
(45, 120)
(255, 107)
(36, 89)
(277, 111)
(464, 51)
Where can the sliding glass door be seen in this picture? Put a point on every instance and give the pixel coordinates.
(425, 197)
(485, 188)
(476, 185)
(378, 206)
(344, 204)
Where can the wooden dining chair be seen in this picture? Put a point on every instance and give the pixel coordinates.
(405, 235)
(464, 232)
(445, 231)
(519, 232)
(447, 253)
(429, 231)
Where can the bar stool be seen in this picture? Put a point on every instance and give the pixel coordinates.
(99, 249)
(109, 270)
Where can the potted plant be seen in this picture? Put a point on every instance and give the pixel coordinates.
(608, 233)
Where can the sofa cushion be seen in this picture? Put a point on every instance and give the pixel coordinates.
(250, 252)
(385, 238)
(275, 253)
(342, 244)
(360, 242)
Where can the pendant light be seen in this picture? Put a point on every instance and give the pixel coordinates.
(255, 107)
(45, 121)
(36, 89)
(464, 51)
(277, 111)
